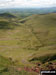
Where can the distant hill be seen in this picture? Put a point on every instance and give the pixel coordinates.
(8, 21)
(7, 15)
(29, 11)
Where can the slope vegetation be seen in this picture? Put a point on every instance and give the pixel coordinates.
(43, 27)
(32, 39)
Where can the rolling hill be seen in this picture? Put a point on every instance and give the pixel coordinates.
(43, 27)
(7, 15)
(32, 40)
(8, 21)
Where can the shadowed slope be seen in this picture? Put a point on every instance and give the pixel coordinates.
(7, 15)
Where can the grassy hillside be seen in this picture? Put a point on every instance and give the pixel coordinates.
(8, 21)
(43, 27)
(32, 40)
(8, 67)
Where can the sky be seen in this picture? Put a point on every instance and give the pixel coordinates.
(27, 3)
